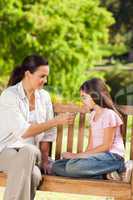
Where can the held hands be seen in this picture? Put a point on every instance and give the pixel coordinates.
(65, 118)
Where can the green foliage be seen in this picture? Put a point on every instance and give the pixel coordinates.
(121, 84)
(70, 33)
(122, 29)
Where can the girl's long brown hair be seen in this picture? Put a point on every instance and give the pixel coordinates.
(98, 90)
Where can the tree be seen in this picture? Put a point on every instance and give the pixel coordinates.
(70, 33)
(122, 29)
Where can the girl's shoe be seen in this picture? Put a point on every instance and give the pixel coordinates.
(126, 176)
(123, 176)
(113, 176)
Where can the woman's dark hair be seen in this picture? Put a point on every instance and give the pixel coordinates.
(98, 90)
(30, 63)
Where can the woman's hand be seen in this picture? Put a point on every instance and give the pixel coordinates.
(69, 155)
(47, 168)
(65, 118)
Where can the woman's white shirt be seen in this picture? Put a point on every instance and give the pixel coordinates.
(14, 116)
(32, 119)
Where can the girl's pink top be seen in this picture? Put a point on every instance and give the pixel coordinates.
(108, 118)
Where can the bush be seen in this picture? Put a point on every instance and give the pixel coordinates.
(69, 33)
(121, 84)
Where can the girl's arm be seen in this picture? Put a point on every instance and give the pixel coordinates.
(108, 139)
(109, 134)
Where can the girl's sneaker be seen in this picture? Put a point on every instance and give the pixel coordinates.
(126, 176)
(123, 176)
(113, 176)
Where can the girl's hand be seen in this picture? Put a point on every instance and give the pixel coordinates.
(87, 103)
(86, 99)
(69, 155)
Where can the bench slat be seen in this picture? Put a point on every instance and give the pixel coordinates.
(124, 129)
(59, 142)
(70, 138)
(131, 151)
(72, 108)
(81, 133)
(84, 186)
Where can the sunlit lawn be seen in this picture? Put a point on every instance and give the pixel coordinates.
(59, 196)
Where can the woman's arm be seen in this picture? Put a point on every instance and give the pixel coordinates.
(14, 122)
(109, 134)
(37, 128)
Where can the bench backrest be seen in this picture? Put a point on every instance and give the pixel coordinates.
(79, 124)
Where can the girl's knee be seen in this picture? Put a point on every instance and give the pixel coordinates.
(73, 167)
(58, 167)
(55, 167)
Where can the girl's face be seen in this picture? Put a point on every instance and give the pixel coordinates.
(87, 100)
(39, 77)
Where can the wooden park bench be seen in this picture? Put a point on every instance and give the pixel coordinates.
(117, 189)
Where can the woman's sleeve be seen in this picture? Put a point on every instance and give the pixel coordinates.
(49, 108)
(12, 120)
(111, 119)
(49, 135)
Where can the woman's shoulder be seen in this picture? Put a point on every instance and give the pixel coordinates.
(9, 91)
(9, 95)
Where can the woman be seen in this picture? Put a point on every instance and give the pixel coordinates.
(23, 116)
(105, 150)
(39, 102)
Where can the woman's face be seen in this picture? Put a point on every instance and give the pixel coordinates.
(39, 77)
(87, 100)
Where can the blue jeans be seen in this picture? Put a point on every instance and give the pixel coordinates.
(94, 166)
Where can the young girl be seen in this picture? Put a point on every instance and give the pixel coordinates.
(105, 151)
